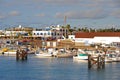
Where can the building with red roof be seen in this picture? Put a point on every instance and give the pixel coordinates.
(97, 37)
(96, 34)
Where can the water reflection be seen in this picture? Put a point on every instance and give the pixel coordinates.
(54, 69)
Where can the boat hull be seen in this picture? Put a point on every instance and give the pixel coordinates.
(43, 55)
(64, 55)
(9, 53)
(80, 57)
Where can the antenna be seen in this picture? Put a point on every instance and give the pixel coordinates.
(65, 18)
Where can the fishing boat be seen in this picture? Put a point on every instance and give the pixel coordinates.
(45, 53)
(108, 59)
(63, 53)
(81, 55)
(113, 57)
(9, 51)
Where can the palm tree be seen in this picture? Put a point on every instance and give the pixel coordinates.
(75, 28)
(68, 27)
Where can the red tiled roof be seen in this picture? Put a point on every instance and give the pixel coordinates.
(99, 34)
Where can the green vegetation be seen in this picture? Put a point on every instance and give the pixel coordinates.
(86, 29)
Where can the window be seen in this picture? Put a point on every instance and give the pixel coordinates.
(55, 33)
(41, 33)
(37, 33)
(48, 33)
(44, 33)
(52, 33)
(60, 30)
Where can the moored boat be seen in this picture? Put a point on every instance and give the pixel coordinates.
(63, 53)
(45, 53)
(113, 57)
(9, 51)
(81, 55)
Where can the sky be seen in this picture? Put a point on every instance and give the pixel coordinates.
(41, 13)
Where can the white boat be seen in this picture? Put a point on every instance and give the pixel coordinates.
(108, 59)
(43, 55)
(40, 53)
(114, 57)
(81, 55)
(9, 51)
(63, 53)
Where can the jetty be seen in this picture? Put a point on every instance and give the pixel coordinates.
(98, 61)
(21, 55)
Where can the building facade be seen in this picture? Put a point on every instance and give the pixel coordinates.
(97, 37)
(50, 32)
(18, 31)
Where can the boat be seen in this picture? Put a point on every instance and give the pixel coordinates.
(81, 55)
(113, 57)
(116, 58)
(63, 53)
(108, 59)
(9, 51)
(45, 53)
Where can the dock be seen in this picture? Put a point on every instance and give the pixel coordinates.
(21, 55)
(98, 61)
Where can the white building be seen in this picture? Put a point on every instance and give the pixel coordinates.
(15, 31)
(52, 32)
(97, 37)
(72, 37)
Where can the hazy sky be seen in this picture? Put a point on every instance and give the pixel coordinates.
(38, 13)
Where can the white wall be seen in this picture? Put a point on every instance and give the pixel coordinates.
(13, 33)
(71, 37)
(44, 33)
(83, 39)
(106, 40)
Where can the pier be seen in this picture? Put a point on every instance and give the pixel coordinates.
(98, 61)
(21, 55)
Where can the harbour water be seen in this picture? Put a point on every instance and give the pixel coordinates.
(54, 69)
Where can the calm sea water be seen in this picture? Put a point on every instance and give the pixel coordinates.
(54, 69)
